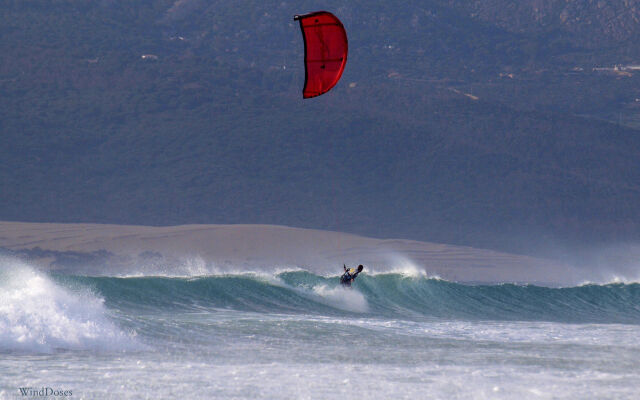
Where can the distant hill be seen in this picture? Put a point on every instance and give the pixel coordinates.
(589, 23)
(456, 121)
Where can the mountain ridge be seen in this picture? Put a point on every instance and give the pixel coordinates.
(457, 130)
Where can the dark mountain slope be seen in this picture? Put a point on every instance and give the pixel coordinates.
(422, 138)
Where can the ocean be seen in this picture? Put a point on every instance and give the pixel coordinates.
(290, 333)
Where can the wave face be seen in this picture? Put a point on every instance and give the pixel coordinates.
(394, 296)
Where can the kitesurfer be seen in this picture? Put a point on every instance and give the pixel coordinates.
(350, 275)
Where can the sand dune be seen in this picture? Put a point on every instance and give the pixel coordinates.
(251, 246)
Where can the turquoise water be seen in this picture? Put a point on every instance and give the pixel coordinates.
(295, 334)
(381, 296)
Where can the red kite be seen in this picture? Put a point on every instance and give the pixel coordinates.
(325, 51)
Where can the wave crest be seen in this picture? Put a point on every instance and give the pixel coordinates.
(38, 315)
(385, 295)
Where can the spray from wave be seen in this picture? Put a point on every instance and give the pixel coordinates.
(340, 298)
(39, 315)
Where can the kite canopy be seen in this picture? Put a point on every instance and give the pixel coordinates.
(325, 51)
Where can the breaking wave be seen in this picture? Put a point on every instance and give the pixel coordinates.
(40, 315)
(390, 295)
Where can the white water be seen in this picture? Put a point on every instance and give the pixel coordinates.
(39, 316)
(341, 298)
(248, 356)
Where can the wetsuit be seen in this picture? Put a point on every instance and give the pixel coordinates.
(349, 275)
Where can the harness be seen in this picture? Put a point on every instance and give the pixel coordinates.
(346, 278)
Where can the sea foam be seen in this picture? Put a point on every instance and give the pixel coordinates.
(38, 315)
(341, 298)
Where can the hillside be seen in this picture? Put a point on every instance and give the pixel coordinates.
(210, 127)
(591, 22)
